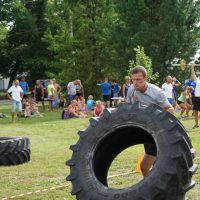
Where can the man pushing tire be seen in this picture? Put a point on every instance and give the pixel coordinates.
(140, 90)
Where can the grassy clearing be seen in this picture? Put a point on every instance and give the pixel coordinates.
(50, 140)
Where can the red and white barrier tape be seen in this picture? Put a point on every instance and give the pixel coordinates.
(20, 195)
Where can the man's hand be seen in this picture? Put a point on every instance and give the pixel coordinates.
(69, 93)
(42, 97)
(12, 99)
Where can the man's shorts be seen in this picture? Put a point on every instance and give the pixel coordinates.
(150, 149)
(193, 98)
(170, 100)
(196, 104)
(106, 97)
(18, 104)
(25, 96)
(39, 98)
(56, 97)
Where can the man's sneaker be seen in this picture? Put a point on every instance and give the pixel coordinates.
(186, 116)
(195, 127)
(180, 117)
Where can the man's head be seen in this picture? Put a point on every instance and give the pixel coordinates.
(114, 82)
(16, 82)
(22, 79)
(192, 78)
(106, 80)
(54, 80)
(169, 79)
(38, 82)
(139, 78)
(75, 82)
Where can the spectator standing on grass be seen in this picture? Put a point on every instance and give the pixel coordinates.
(61, 102)
(111, 93)
(90, 103)
(16, 90)
(24, 85)
(168, 88)
(71, 88)
(175, 83)
(39, 93)
(79, 90)
(196, 108)
(57, 92)
(191, 82)
(183, 103)
(140, 90)
(106, 92)
(51, 95)
(116, 91)
(126, 87)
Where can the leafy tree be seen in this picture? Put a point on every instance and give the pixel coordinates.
(145, 61)
(80, 41)
(22, 51)
(166, 29)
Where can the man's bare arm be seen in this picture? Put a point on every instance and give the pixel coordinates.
(59, 89)
(193, 72)
(170, 109)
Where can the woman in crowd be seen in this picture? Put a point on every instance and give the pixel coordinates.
(90, 103)
(83, 108)
(175, 83)
(61, 102)
(98, 110)
(126, 87)
(79, 90)
(72, 109)
(51, 95)
(182, 101)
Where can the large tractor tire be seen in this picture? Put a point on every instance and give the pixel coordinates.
(14, 150)
(132, 124)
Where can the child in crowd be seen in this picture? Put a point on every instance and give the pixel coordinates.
(90, 103)
(98, 110)
(74, 112)
(83, 108)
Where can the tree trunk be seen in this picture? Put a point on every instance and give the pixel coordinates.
(14, 73)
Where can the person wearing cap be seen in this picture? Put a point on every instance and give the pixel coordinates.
(57, 92)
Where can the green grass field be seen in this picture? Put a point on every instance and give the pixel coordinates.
(50, 140)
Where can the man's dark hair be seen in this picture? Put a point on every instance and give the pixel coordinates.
(114, 81)
(23, 77)
(138, 69)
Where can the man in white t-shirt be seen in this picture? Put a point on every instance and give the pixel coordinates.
(16, 98)
(168, 88)
(71, 88)
(196, 108)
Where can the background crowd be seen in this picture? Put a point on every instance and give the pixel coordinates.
(79, 107)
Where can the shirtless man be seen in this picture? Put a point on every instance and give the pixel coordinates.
(39, 93)
(56, 86)
(140, 90)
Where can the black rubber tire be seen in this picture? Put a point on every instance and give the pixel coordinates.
(132, 124)
(14, 150)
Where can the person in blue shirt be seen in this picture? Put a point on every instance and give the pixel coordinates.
(106, 92)
(24, 85)
(116, 91)
(90, 103)
(191, 82)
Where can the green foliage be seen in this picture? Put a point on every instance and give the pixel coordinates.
(143, 60)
